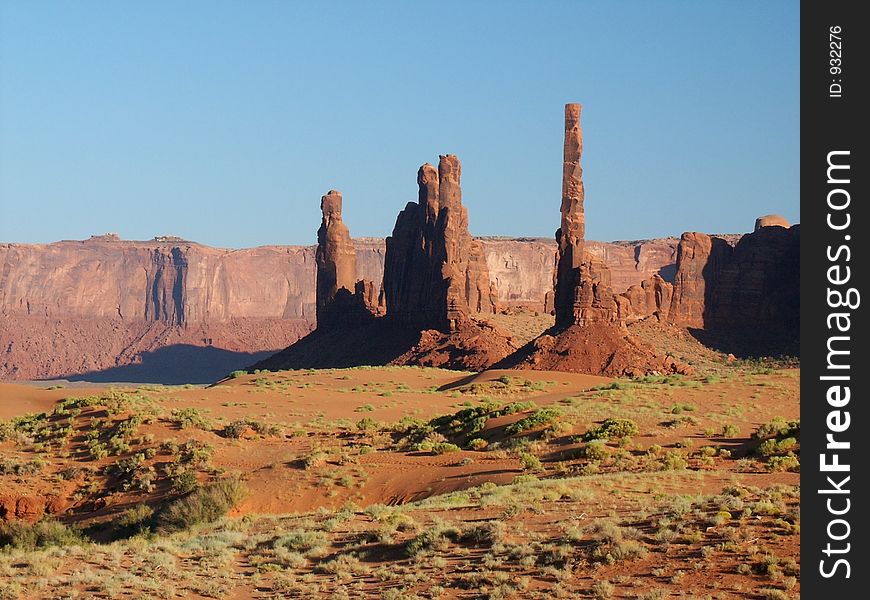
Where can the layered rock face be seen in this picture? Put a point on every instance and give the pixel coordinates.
(633, 262)
(435, 273)
(70, 308)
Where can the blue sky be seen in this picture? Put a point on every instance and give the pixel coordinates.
(224, 122)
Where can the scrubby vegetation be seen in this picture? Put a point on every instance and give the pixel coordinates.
(559, 491)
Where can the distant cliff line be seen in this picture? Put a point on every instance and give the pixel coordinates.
(178, 281)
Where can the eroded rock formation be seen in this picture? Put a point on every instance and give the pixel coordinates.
(570, 236)
(589, 335)
(342, 299)
(435, 273)
(336, 261)
(132, 308)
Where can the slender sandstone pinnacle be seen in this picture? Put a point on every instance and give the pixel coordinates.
(335, 258)
(570, 236)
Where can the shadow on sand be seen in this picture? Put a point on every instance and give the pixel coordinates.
(177, 364)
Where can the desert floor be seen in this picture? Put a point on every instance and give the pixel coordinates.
(405, 482)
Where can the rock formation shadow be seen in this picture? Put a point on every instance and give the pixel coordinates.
(175, 364)
(374, 343)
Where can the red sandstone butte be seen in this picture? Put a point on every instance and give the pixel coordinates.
(435, 273)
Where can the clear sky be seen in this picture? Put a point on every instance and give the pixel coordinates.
(224, 122)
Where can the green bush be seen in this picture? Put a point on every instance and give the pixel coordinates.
(190, 417)
(730, 430)
(301, 541)
(236, 429)
(612, 429)
(778, 427)
(773, 447)
(237, 373)
(789, 462)
(444, 448)
(42, 534)
(14, 467)
(529, 461)
(542, 416)
(204, 505)
(478, 444)
(594, 450)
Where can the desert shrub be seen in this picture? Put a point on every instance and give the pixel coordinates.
(789, 462)
(488, 533)
(778, 427)
(265, 429)
(30, 467)
(514, 407)
(237, 373)
(134, 520)
(542, 416)
(613, 544)
(435, 537)
(729, 430)
(602, 590)
(42, 534)
(672, 461)
(300, 540)
(367, 424)
(773, 447)
(467, 421)
(478, 444)
(190, 417)
(204, 505)
(594, 450)
(315, 458)
(194, 453)
(529, 461)
(184, 481)
(612, 429)
(444, 447)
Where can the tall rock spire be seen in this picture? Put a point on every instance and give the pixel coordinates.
(336, 261)
(570, 236)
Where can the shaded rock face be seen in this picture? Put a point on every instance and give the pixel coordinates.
(700, 259)
(435, 273)
(750, 290)
(594, 299)
(758, 287)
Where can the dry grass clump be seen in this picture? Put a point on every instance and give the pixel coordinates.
(204, 505)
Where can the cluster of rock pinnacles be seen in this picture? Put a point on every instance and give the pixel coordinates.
(436, 277)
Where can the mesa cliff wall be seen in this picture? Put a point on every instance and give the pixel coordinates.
(76, 307)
